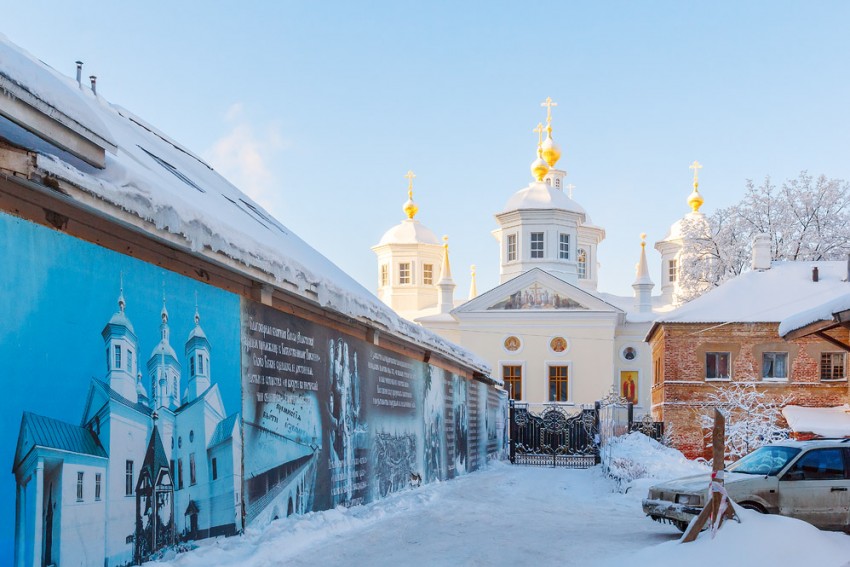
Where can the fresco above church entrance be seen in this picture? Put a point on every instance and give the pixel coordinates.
(537, 296)
(122, 400)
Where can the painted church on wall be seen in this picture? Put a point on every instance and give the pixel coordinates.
(546, 329)
(145, 468)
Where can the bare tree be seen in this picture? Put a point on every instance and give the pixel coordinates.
(806, 218)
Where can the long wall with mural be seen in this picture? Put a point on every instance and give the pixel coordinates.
(144, 409)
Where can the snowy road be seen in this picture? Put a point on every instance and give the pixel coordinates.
(501, 516)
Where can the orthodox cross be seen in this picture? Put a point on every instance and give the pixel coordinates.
(539, 132)
(570, 188)
(548, 104)
(410, 175)
(696, 167)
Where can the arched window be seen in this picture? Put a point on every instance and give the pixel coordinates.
(583, 272)
(557, 184)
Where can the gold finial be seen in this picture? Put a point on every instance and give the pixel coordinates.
(550, 150)
(446, 268)
(410, 208)
(643, 240)
(539, 132)
(695, 200)
(473, 290)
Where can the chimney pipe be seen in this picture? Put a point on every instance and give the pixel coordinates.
(815, 274)
(93, 79)
(80, 73)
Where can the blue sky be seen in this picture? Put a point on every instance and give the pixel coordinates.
(318, 110)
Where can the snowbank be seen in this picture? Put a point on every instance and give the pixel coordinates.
(636, 462)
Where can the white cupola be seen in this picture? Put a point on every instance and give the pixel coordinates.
(542, 227)
(164, 369)
(409, 257)
(198, 356)
(121, 351)
(643, 283)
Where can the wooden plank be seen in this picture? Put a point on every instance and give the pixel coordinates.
(833, 341)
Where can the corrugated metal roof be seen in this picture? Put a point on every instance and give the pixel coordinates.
(41, 431)
(139, 407)
(223, 430)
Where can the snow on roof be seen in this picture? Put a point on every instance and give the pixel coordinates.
(822, 312)
(540, 195)
(409, 231)
(766, 296)
(825, 422)
(157, 180)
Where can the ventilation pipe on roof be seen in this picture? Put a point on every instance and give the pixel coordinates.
(761, 252)
(80, 73)
(815, 274)
(93, 79)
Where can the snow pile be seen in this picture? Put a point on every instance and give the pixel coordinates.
(822, 312)
(636, 462)
(824, 422)
(759, 539)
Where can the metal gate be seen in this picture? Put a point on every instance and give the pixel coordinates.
(553, 435)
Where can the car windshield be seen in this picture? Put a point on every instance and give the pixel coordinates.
(768, 460)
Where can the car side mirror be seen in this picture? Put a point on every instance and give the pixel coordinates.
(793, 475)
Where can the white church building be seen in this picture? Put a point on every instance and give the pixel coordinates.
(546, 329)
(139, 471)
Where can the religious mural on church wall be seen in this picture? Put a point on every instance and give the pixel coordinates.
(333, 420)
(537, 296)
(122, 393)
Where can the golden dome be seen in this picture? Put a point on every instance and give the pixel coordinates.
(539, 169)
(695, 200)
(550, 151)
(410, 208)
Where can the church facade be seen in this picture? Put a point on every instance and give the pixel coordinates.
(145, 468)
(546, 329)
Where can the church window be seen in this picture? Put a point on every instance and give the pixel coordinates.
(79, 486)
(583, 272)
(558, 383)
(192, 365)
(774, 365)
(179, 473)
(130, 367)
(192, 477)
(536, 244)
(97, 486)
(512, 376)
(511, 247)
(672, 271)
(564, 246)
(428, 274)
(128, 478)
(201, 364)
(832, 366)
(657, 377)
(214, 468)
(180, 442)
(385, 275)
(192, 436)
(117, 357)
(717, 366)
(557, 184)
(548, 181)
(404, 273)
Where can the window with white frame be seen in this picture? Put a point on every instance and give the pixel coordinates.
(79, 486)
(774, 365)
(832, 366)
(117, 357)
(428, 274)
(672, 270)
(536, 244)
(404, 273)
(717, 366)
(97, 477)
(564, 246)
(128, 478)
(511, 248)
(581, 256)
(385, 275)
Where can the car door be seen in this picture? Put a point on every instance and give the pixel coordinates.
(816, 489)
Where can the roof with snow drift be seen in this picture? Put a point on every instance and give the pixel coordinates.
(770, 296)
(152, 177)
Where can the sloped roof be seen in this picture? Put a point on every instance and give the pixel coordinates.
(139, 407)
(767, 296)
(540, 195)
(822, 312)
(155, 179)
(224, 430)
(41, 431)
(409, 231)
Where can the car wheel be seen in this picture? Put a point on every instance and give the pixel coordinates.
(753, 506)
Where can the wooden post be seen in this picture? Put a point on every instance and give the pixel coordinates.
(718, 453)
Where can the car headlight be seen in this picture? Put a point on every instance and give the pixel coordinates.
(688, 499)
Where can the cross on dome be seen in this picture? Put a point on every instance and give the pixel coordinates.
(696, 166)
(539, 132)
(410, 208)
(548, 104)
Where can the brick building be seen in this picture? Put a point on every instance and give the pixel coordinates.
(731, 335)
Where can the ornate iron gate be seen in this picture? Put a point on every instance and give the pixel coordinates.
(553, 435)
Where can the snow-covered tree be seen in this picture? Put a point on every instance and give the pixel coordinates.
(752, 418)
(807, 218)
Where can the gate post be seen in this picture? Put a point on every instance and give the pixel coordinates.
(631, 417)
(512, 431)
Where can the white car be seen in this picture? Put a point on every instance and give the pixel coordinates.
(808, 480)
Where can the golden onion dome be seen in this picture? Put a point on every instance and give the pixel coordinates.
(695, 200)
(550, 151)
(539, 168)
(410, 208)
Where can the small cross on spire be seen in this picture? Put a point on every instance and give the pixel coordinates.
(696, 166)
(548, 104)
(410, 176)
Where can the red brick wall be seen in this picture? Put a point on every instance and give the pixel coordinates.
(681, 348)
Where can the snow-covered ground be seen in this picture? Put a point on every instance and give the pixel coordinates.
(510, 514)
